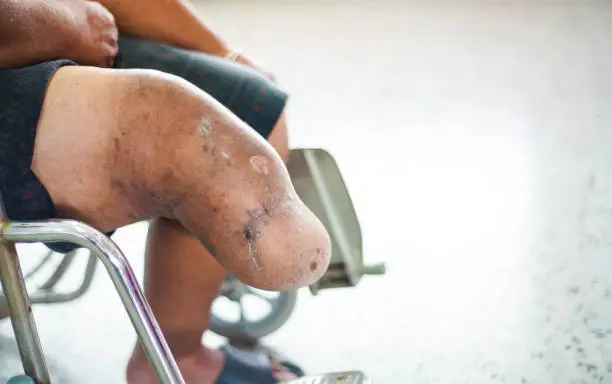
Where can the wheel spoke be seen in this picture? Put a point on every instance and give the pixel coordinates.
(225, 288)
(242, 322)
(261, 319)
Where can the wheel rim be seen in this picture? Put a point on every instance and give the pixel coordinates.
(30, 267)
(243, 312)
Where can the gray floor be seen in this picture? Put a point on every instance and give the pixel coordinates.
(476, 140)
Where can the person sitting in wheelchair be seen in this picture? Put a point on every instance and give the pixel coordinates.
(121, 111)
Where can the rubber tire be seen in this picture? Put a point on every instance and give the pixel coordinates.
(21, 380)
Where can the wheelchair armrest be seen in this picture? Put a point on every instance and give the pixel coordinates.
(117, 266)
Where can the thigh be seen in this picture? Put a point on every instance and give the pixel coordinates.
(247, 94)
(63, 100)
(73, 157)
(118, 146)
(22, 93)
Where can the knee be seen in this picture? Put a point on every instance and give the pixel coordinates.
(166, 127)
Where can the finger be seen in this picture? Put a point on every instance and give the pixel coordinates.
(108, 54)
(102, 12)
(112, 33)
(111, 47)
(110, 61)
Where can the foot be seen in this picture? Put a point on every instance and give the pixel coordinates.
(203, 366)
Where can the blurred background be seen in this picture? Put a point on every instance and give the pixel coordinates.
(475, 138)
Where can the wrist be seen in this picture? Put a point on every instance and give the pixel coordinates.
(25, 29)
(226, 53)
(223, 51)
(62, 22)
(214, 47)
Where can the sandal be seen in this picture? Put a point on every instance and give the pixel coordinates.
(251, 366)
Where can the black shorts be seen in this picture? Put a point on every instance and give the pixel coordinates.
(248, 95)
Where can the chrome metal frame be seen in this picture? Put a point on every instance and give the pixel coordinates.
(117, 266)
(45, 294)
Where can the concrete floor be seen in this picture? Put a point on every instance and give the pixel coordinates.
(475, 139)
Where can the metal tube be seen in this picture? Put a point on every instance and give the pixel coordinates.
(59, 271)
(147, 329)
(22, 318)
(44, 296)
(53, 297)
(38, 266)
(49, 297)
(20, 308)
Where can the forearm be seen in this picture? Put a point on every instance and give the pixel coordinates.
(174, 22)
(27, 32)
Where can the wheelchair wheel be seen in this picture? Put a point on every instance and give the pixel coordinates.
(44, 270)
(21, 380)
(241, 312)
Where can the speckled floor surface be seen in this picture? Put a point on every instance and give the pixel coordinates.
(476, 140)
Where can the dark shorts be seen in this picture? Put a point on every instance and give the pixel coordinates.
(247, 94)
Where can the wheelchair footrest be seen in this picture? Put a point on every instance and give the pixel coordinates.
(318, 181)
(352, 377)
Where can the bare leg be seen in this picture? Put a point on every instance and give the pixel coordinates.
(152, 145)
(181, 291)
(136, 161)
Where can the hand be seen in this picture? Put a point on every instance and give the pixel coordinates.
(92, 35)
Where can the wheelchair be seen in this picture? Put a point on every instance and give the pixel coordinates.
(317, 180)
